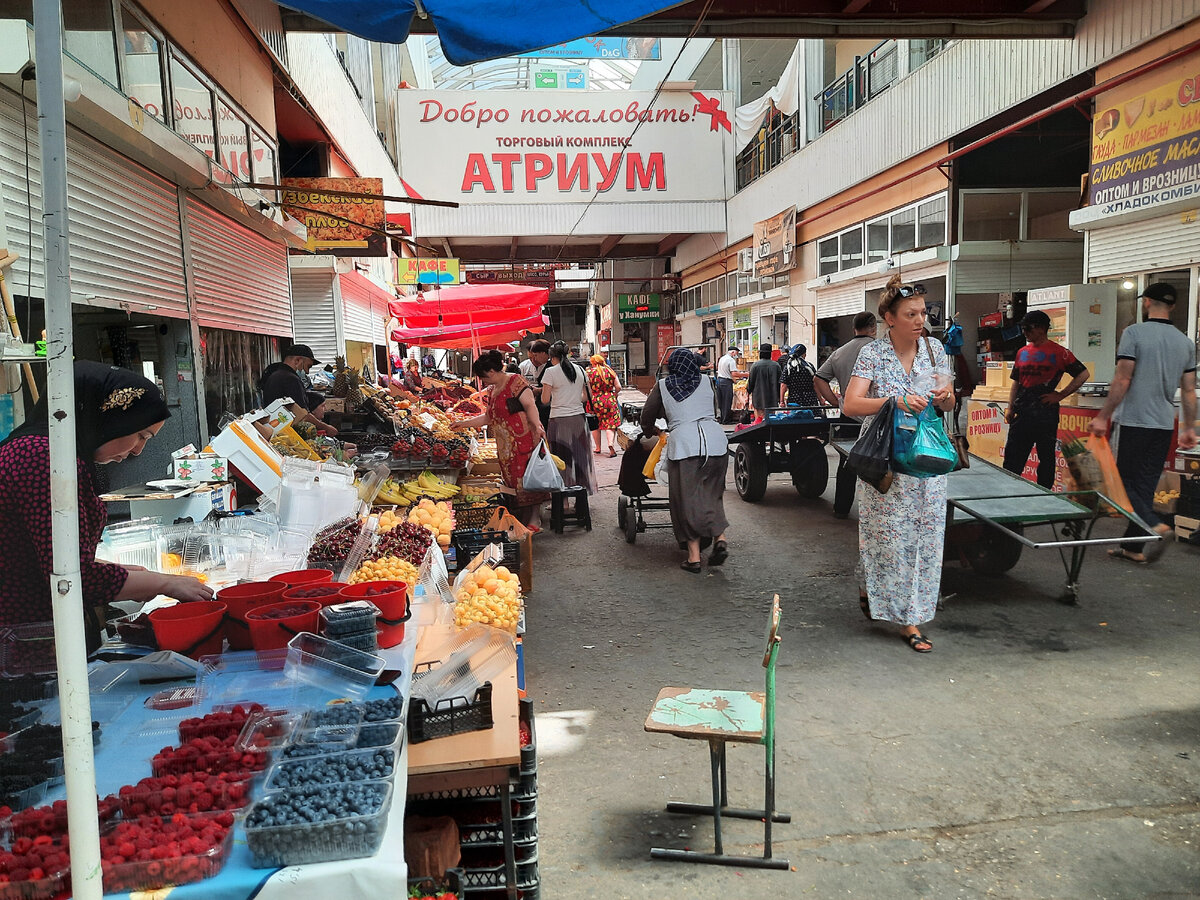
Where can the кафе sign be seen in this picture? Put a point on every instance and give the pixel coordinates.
(514, 147)
(638, 307)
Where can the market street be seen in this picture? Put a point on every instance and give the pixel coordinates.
(1040, 751)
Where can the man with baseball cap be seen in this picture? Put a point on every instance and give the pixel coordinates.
(1033, 401)
(282, 379)
(1153, 359)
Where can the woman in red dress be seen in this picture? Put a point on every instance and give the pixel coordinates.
(604, 386)
(511, 412)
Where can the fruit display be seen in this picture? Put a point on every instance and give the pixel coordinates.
(313, 592)
(490, 597)
(383, 710)
(389, 519)
(408, 492)
(443, 448)
(289, 443)
(334, 542)
(437, 517)
(465, 409)
(334, 768)
(220, 723)
(1166, 498)
(408, 541)
(207, 754)
(318, 824)
(387, 568)
(155, 851)
(50, 820)
(392, 491)
(188, 792)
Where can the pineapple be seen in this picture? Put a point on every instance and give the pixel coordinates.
(354, 395)
(341, 386)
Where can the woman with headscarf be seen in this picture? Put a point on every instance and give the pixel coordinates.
(116, 413)
(565, 388)
(697, 457)
(605, 386)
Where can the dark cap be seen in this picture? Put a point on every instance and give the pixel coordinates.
(1160, 292)
(1035, 318)
(299, 350)
(764, 351)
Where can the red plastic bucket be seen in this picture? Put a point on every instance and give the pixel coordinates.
(303, 576)
(391, 597)
(326, 593)
(272, 632)
(193, 629)
(239, 600)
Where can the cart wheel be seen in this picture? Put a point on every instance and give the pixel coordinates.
(750, 472)
(622, 511)
(994, 553)
(810, 468)
(631, 526)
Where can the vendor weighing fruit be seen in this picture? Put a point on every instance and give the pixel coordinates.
(116, 413)
(282, 379)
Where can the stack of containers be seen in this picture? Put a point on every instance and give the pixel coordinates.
(352, 623)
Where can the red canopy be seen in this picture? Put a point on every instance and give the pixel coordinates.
(467, 304)
(490, 334)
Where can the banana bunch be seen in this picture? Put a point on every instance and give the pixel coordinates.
(433, 486)
(393, 492)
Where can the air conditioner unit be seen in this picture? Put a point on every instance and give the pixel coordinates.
(746, 260)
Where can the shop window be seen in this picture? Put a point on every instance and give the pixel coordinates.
(989, 216)
(262, 159)
(851, 248)
(731, 287)
(708, 293)
(1047, 213)
(233, 139)
(1181, 280)
(904, 230)
(877, 240)
(90, 36)
(192, 104)
(827, 256)
(143, 66)
(931, 223)
(720, 295)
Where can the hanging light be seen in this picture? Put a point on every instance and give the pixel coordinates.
(1127, 285)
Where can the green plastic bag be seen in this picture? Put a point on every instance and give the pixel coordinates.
(920, 445)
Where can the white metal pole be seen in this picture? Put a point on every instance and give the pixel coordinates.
(65, 583)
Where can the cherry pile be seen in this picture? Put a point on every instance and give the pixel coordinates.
(408, 540)
(333, 542)
(160, 850)
(279, 612)
(208, 754)
(307, 593)
(220, 723)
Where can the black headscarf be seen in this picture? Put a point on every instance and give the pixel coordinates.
(683, 368)
(110, 403)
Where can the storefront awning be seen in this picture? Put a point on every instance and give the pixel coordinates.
(487, 335)
(467, 304)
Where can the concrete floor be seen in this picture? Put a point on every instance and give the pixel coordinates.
(1039, 751)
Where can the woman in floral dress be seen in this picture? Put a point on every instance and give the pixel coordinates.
(512, 414)
(605, 386)
(900, 533)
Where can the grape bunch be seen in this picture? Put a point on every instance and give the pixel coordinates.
(315, 824)
(337, 768)
(333, 542)
(409, 541)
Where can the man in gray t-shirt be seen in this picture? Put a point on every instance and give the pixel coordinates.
(838, 367)
(1153, 359)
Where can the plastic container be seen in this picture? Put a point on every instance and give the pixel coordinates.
(391, 599)
(223, 721)
(303, 576)
(28, 650)
(346, 837)
(149, 875)
(193, 629)
(334, 715)
(380, 734)
(239, 600)
(267, 730)
(221, 795)
(36, 889)
(331, 666)
(390, 709)
(349, 618)
(326, 593)
(334, 768)
(269, 633)
(230, 678)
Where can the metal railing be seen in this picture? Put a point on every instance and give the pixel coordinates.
(777, 139)
(870, 76)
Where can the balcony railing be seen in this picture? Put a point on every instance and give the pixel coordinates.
(870, 76)
(777, 139)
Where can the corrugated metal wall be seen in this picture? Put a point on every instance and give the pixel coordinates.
(1151, 245)
(843, 300)
(315, 313)
(126, 244)
(241, 278)
(997, 275)
(264, 17)
(360, 304)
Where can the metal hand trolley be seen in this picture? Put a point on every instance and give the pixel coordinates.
(637, 497)
(792, 440)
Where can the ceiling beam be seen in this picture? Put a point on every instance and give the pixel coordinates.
(1040, 6)
(854, 6)
(512, 248)
(446, 246)
(609, 244)
(670, 242)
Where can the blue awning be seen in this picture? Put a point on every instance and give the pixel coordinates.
(472, 31)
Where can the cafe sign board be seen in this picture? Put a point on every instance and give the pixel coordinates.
(638, 307)
(427, 271)
(1146, 140)
(336, 224)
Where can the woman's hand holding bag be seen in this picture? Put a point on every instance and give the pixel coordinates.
(923, 451)
(541, 474)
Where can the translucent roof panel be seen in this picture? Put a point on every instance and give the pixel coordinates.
(522, 73)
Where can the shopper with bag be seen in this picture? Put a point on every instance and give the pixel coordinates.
(900, 532)
(1153, 359)
(697, 457)
(513, 417)
(565, 388)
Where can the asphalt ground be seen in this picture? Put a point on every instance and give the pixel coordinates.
(1041, 750)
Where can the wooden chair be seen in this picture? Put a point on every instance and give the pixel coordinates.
(746, 717)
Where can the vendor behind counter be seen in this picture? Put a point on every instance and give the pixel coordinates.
(282, 379)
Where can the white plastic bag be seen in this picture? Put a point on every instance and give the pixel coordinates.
(660, 469)
(541, 474)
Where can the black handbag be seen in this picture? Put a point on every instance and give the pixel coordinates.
(593, 422)
(871, 455)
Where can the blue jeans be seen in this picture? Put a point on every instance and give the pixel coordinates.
(1141, 455)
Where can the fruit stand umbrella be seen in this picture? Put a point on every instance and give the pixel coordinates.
(471, 31)
(467, 304)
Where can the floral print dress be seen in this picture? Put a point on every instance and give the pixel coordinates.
(901, 533)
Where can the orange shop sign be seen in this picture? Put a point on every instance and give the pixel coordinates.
(340, 225)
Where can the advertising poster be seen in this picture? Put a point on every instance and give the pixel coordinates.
(987, 433)
(325, 215)
(775, 244)
(638, 307)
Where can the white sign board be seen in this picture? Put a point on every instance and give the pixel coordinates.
(563, 147)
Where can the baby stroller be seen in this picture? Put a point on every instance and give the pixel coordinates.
(636, 493)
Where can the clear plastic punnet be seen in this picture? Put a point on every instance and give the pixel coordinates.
(475, 656)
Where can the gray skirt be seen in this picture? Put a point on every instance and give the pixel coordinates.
(696, 493)
(571, 442)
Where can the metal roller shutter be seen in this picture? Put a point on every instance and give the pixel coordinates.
(240, 277)
(364, 304)
(315, 313)
(997, 275)
(845, 300)
(1150, 245)
(126, 244)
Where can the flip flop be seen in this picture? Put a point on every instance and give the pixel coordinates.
(1122, 553)
(693, 567)
(865, 605)
(611, 452)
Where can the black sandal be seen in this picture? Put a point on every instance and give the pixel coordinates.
(865, 605)
(689, 566)
(916, 639)
(719, 554)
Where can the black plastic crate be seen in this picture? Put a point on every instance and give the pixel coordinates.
(525, 831)
(450, 883)
(492, 877)
(457, 715)
(528, 751)
(475, 518)
(469, 542)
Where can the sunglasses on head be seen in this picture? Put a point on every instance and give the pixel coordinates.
(912, 290)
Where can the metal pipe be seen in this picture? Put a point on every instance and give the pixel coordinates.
(65, 580)
(1009, 129)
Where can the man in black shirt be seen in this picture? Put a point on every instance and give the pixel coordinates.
(282, 379)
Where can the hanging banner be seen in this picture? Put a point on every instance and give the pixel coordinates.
(536, 276)
(1146, 140)
(427, 271)
(606, 317)
(323, 214)
(775, 244)
(638, 307)
(601, 48)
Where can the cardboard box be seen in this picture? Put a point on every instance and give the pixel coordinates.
(1186, 528)
(206, 498)
(335, 404)
(200, 467)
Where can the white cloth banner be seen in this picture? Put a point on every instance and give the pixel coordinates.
(785, 96)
